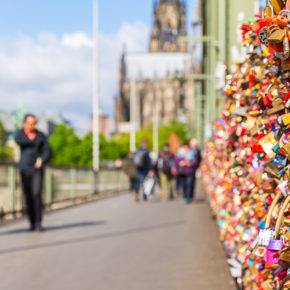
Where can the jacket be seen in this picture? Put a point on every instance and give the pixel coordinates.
(189, 157)
(32, 149)
(129, 168)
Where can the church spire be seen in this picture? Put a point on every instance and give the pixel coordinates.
(169, 25)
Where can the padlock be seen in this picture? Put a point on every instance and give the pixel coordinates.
(269, 10)
(275, 47)
(286, 119)
(282, 21)
(268, 142)
(281, 160)
(276, 34)
(276, 110)
(277, 102)
(286, 150)
(277, 5)
(285, 255)
(286, 52)
(265, 236)
(273, 248)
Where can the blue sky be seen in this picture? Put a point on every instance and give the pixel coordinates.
(46, 52)
(58, 16)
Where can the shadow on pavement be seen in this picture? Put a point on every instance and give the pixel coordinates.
(90, 238)
(56, 228)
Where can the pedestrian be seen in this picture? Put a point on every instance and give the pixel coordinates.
(143, 164)
(131, 172)
(35, 152)
(166, 163)
(185, 163)
(197, 156)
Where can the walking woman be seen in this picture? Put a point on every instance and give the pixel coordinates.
(185, 163)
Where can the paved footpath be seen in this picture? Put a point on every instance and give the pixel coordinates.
(116, 244)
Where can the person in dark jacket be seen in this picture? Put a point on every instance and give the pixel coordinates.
(197, 156)
(142, 161)
(35, 152)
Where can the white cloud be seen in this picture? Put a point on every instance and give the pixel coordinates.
(55, 74)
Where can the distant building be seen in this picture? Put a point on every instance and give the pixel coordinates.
(104, 125)
(46, 123)
(159, 73)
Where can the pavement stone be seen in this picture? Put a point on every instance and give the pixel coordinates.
(119, 244)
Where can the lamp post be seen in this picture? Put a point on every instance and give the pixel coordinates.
(133, 115)
(155, 118)
(96, 165)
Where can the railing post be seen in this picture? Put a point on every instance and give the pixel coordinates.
(73, 177)
(92, 182)
(12, 186)
(48, 188)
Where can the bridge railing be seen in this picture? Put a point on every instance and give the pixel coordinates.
(63, 186)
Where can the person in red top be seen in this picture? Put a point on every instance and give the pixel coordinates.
(35, 152)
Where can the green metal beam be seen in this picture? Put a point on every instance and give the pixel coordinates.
(204, 38)
(195, 77)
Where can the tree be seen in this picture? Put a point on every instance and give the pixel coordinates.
(65, 146)
(69, 149)
(6, 153)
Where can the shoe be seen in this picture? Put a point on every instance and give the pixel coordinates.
(137, 198)
(144, 197)
(39, 228)
(185, 200)
(31, 229)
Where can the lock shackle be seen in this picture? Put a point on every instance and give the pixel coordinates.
(285, 205)
(268, 5)
(285, 11)
(271, 209)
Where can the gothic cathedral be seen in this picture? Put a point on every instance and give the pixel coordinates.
(154, 83)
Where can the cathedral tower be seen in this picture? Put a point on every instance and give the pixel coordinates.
(169, 25)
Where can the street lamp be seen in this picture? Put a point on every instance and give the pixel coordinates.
(96, 165)
(133, 115)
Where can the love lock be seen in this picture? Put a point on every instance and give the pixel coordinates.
(264, 35)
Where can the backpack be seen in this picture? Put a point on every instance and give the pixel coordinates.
(165, 163)
(139, 159)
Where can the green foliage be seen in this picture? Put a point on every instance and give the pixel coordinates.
(2, 134)
(173, 127)
(68, 149)
(6, 153)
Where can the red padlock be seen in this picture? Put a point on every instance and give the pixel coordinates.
(282, 21)
(275, 47)
(265, 22)
(266, 101)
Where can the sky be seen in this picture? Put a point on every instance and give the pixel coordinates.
(46, 53)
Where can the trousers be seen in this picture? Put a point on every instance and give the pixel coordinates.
(167, 186)
(140, 178)
(32, 187)
(187, 186)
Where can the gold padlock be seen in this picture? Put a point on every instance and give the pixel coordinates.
(276, 34)
(277, 5)
(286, 150)
(269, 10)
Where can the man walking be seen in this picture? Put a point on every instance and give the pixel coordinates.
(143, 164)
(35, 152)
